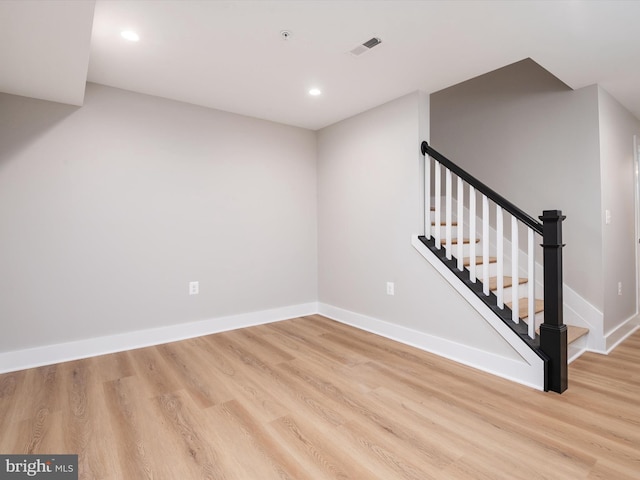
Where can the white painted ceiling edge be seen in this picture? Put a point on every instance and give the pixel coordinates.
(230, 55)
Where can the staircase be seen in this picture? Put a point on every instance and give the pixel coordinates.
(574, 333)
(465, 230)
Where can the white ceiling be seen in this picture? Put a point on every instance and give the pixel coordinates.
(230, 54)
(44, 49)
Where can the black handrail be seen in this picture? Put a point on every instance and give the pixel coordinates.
(482, 188)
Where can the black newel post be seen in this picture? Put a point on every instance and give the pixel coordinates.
(553, 332)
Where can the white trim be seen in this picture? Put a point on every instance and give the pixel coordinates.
(574, 352)
(636, 195)
(517, 371)
(616, 336)
(91, 347)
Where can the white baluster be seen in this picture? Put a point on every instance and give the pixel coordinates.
(437, 178)
(531, 279)
(427, 196)
(448, 212)
(500, 256)
(515, 274)
(485, 245)
(460, 220)
(472, 233)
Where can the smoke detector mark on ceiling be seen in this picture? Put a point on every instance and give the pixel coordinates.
(365, 47)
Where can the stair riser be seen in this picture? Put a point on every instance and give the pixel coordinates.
(523, 291)
(493, 270)
(454, 233)
(466, 249)
(539, 319)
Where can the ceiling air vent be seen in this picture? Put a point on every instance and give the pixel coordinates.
(365, 47)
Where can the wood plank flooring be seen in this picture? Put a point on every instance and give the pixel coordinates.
(312, 399)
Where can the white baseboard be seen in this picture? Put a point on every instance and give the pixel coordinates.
(514, 370)
(91, 347)
(524, 372)
(621, 333)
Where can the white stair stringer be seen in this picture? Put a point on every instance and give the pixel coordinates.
(531, 371)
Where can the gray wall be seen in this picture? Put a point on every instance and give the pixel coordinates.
(617, 167)
(369, 205)
(108, 211)
(527, 135)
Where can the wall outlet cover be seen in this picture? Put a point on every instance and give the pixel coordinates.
(391, 289)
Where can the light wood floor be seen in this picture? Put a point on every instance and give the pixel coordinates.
(311, 399)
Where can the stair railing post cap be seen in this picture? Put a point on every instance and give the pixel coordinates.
(551, 215)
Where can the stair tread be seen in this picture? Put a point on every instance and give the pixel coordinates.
(574, 333)
(523, 307)
(506, 282)
(479, 260)
(454, 241)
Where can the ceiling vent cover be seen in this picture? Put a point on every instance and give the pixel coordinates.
(365, 47)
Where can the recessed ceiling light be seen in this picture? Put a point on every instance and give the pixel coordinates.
(315, 92)
(130, 35)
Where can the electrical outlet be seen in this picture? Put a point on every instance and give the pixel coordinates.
(607, 217)
(391, 288)
(619, 288)
(194, 288)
